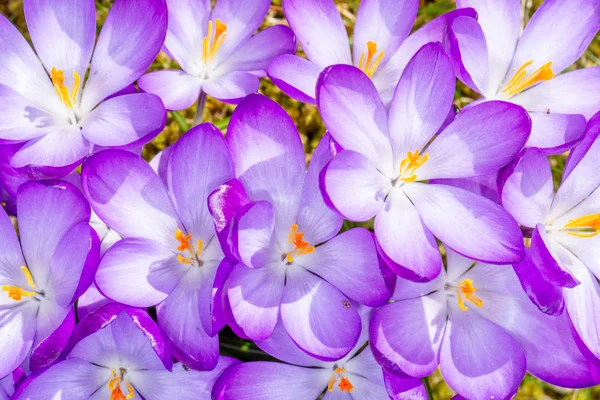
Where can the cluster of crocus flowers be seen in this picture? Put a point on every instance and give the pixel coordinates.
(122, 274)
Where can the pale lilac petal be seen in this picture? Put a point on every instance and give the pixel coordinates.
(177, 89)
(129, 197)
(588, 138)
(384, 22)
(559, 32)
(60, 43)
(52, 335)
(555, 133)
(252, 234)
(354, 114)
(90, 301)
(16, 335)
(131, 37)
(404, 240)
(421, 100)
(408, 333)
(545, 259)
(354, 186)
(296, 76)
(21, 120)
(11, 257)
(483, 185)
(469, 224)
(404, 388)
(320, 31)
(232, 87)
(254, 296)
(481, 140)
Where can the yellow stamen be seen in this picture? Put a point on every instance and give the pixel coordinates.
(301, 247)
(114, 385)
(344, 385)
(211, 45)
(588, 226)
(58, 81)
(370, 66)
(17, 293)
(521, 81)
(466, 287)
(200, 247)
(185, 244)
(183, 239)
(185, 260)
(410, 164)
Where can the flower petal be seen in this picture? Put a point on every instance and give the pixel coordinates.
(177, 89)
(404, 388)
(232, 87)
(296, 76)
(21, 120)
(52, 335)
(472, 225)
(252, 234)
(11, 257)
(16, 335)
(555, 133)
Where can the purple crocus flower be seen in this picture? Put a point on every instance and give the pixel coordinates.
(217, 51)
(290, 260)
(476, 323)
(564, 262)
(354, 377)
(170, 256)
(388, 157)
(39, 283)
(47, 105)
(382, 45)
(118, 353)
(495, 59)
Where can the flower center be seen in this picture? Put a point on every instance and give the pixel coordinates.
(344, 385)
(17, 293)
(114, 385)
(410, 164)
(185, 245)
(212, 43)
(370, 66)
(585, 227)
(301, 247)
(521, 80)
(58, 81)
(466, 287)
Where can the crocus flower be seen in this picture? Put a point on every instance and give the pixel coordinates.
(388, 158)
(564, 261)
(39, 283)
(290, 260)
(170, 255)
(354, 377)
(118, 353)
(476, 323)
(382, 45)
(217, 51)
(495, 59)
(47, 105)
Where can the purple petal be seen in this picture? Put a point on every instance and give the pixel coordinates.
(407, 245)
(313, 311)
(59, 42)
(320, 31)
(354, 114)
(95, 250)
(544, 259)
(404, 388)
(252, 234)
(131, 37)
(129, 197)
(296, 76)
(408, 333)
(472, 225)
(481, 140)
(254, 296)
(124, 120)
(482, 185)
(21, 120)
(232, 87)
(177, 89)
(11, 257)
(421, 100)
(588, 138)
(555, 133)
(384, 22)
(50, 347)
(16, 335)
(90, 301)
(354, 186)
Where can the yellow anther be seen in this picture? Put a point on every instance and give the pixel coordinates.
(466, 287)
(410, 164)
(58, 81)
(114, 385)
(17, 293)
(210, 44)
(370, 66)
(183, 239)
(28, 276)
(586, 227)
(200, 247)
(301, 247)
(521, 81)
(185, 260)
(184, 245)
(344, 385)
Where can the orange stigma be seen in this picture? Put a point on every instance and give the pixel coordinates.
(466, 287)
(584, 227)
(211, 44)
(344, 385)
(301, 247)
(370, 66)
(410, 164)
(58, 81)
(114, 385)
(521, 81)
(184, 245)
(17, 293)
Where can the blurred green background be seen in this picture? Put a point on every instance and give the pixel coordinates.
(311, 129)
